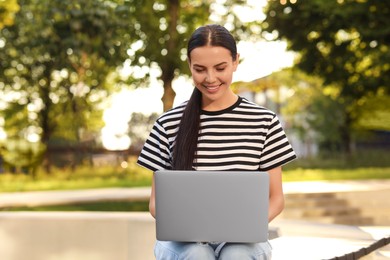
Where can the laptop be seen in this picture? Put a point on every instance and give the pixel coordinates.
(212, 206)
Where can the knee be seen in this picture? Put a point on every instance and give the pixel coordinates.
(197, 251)
(245, 251)
(231, 253)
(176, 251)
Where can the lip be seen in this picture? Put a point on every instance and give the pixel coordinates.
(212, 88)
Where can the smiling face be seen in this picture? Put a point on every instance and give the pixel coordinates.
(212, 70)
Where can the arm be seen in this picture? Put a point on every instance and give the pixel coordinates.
(276, 196)
(152, 200)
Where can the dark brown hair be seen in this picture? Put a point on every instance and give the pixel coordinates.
(186, 143)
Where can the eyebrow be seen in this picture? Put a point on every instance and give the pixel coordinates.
(219, 64)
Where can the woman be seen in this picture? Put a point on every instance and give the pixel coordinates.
(217, 130)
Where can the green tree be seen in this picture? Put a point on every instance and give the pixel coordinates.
(312, 109)
(8, 8)
(59, 58)
(22, 156)
(346, 43)
(164, 26)
(55, 62)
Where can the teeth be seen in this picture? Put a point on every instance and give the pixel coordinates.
(214, 87)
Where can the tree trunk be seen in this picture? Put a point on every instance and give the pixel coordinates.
(168, 96)
(45, 124)
(346, 140)
(169, 66)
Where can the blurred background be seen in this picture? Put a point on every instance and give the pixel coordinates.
(82, 82)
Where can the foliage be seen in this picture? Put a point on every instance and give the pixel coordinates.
(59, 59)
(56, 63)
(314, 111)
(163, 28)
(375, 113)
(364, 158)
(8, 8)
(82, 178)
(22, 155)
(308, 111)
(346, 43)
(116, 206)
(336, 174)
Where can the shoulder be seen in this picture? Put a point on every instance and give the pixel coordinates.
(248, 107)
(173, 114)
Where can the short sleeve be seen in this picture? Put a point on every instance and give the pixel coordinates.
(277, 150)
(156, 155)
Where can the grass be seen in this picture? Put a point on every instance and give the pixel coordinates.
(368, 158)
(82, 178)
(364, 173)
(116, 206)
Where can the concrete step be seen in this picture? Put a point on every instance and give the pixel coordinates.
(351, 208)
(314, 201)
(368, 201)
(343, 220)
(320, 211)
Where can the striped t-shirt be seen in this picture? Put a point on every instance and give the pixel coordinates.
(244, 136)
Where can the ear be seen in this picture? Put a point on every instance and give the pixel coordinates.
(236, 62)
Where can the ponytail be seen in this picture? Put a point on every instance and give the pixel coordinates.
(186, 143)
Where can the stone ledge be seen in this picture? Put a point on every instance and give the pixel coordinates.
(76, 235)
(125, 236)
(79, 235)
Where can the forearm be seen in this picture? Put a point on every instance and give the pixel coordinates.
(276, 206)
(152, 207)
(152, 204)
(276, 196)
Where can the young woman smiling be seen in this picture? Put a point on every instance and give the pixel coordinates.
(217, 130)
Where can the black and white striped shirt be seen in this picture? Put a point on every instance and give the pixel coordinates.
(244, 136)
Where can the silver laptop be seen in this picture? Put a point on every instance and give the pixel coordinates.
(212, 206)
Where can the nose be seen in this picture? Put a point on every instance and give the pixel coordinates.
(210, 77)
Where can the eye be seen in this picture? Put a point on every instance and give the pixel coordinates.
(221, 69)
(199, 70)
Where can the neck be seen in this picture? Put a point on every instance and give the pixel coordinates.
(222, 103)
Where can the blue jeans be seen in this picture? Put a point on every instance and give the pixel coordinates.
(167, 250)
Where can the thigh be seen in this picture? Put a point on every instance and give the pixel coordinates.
(168, 250)
(257, 251)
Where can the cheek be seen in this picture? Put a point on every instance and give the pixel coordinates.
(197, 78)
(226, 76)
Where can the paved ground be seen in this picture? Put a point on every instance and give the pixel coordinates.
(298, 239)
